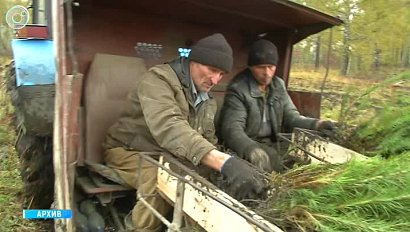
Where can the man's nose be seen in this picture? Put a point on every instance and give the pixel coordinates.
(267, 72)
(215, 79)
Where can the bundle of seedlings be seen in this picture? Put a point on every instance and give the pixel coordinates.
(388, 132)
(371, 195)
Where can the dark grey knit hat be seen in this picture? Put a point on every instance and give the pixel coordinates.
(213, 51)
(263, 52)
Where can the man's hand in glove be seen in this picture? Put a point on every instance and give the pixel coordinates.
(243, 181)
(260, 159)
(326, 127)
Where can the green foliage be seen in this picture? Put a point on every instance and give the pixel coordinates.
(6, 33)
(389, 131)
(374, 36)
(6, 108)
(357, 101)
(359, 196)
(371, 195)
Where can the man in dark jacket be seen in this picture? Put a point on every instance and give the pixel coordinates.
(170, 111)
(257, 107)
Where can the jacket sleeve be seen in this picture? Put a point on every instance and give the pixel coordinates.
(292, 117)
(233, 124)
(160, 104)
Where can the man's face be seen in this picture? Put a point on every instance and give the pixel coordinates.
(205, 77)
(263, 73)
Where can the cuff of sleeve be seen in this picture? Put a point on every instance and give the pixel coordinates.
(313, 125)
(196, 159)
(223, 165)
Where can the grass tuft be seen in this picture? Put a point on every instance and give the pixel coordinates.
(11, 212)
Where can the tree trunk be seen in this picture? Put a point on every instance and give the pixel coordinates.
(345, 51)
(317, 53)
(329, 52)
(404, 56)
(406, 62)
(376, 58)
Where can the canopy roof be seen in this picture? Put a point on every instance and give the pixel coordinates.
(250, 17)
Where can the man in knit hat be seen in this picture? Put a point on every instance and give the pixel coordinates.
(257, 107)
(170, 111)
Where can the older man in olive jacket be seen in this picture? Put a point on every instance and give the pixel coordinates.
(257, 107)
(170, 111)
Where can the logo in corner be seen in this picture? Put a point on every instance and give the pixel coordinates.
(17, 17)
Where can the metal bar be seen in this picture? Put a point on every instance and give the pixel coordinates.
(198, 178)
(287, 55)
(178, 207)
(142, 197)
(34, 11)
(114, 214)
(48, 7)
(139, 171)
(302, 149)
(70, 37)
(154, 211)
(60, 141)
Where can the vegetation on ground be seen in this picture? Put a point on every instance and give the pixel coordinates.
(388, 132)
(370, 195)
(359, 196)
(352, 101)
(11, 211)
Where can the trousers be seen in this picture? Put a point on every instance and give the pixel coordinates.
(126, 163)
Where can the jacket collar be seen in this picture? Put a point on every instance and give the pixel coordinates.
(253, 85)
(181, 68)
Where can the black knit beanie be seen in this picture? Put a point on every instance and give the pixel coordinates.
(213, 51)
(263, 52)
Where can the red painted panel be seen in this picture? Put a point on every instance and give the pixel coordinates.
(33, 31)
(117, 31)
(307, 103)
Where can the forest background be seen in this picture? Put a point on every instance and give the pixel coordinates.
(374, 39)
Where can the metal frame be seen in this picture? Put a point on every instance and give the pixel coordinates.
(311, 133)
(176, 224)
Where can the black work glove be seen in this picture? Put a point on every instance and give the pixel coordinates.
(265, 158)
(244, 182)
(326, 127)
(260, 159)
(275, 158)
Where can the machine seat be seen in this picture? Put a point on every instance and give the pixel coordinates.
(108, 82)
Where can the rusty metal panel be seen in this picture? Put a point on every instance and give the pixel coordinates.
(33, 31)
(113, 32)
(76, 86)
(248, 16)
(63, 171)
(115, 27)
(307, 103)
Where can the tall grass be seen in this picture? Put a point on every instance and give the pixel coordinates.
(11, 218)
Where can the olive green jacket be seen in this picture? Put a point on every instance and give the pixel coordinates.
(160, 116)
(242, 112)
